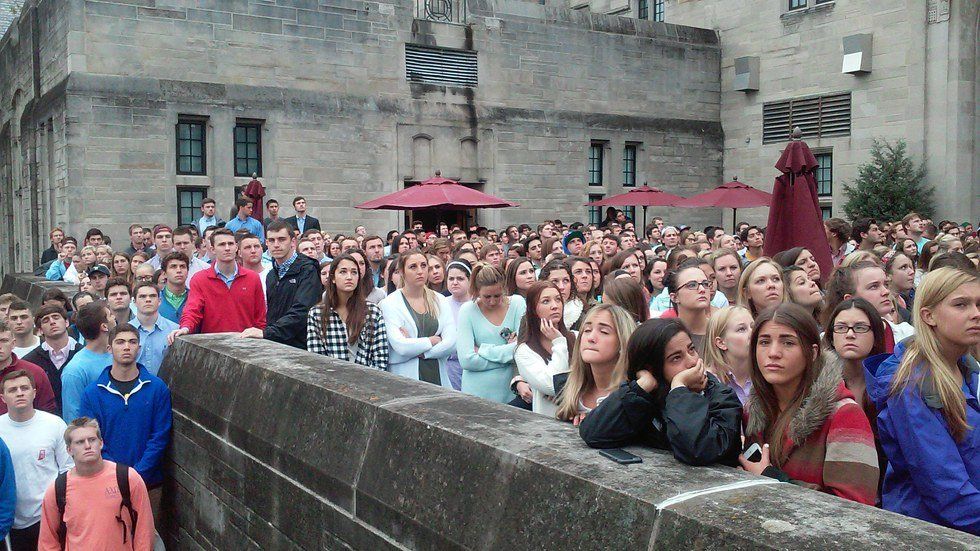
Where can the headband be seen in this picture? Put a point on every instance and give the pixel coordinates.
(460, 265)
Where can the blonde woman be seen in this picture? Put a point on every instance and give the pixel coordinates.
(928, 415)
(599, 361)
(419, 323)
(728, 349)
(761, 285)
(593, 250)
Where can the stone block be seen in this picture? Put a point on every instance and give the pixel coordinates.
(256, 24)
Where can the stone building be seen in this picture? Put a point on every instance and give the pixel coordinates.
(846, 71)
(121, 111)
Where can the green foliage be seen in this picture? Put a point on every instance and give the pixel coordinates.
(890, 186)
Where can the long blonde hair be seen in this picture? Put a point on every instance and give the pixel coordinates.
(923, 362)
(429, 296)
(580, 378)
(743, 298)
(714, 358)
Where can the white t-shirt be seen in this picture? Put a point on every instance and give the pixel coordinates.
(37, 449)
(23, 351)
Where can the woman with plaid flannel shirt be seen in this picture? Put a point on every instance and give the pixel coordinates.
(352, 329)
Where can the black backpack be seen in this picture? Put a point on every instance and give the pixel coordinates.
(122, 479)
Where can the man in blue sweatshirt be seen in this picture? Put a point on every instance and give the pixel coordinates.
(132, 407)
(8, 491)
(94, 321)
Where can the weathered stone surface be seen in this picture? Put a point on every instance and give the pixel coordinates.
(31, 288)
(276, 448)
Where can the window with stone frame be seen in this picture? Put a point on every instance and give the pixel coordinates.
(658, 10)
(797, 4)
(248, 148)
(191, 135)
(596, 153)
(825, 173)
(643, 9)
(189, 199)
(826, 212)
(595, 213)
(629, 164)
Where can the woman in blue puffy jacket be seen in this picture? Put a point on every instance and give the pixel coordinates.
(926, 394)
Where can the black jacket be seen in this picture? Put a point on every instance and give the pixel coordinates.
(49, 254)
(311, 223)
(39, 356)
(289, 301)
(699, 429)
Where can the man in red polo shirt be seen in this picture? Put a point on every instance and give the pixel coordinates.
(44, 398)
(224, 298)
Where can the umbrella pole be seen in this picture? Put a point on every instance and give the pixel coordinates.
(644, 229)
(733, 220)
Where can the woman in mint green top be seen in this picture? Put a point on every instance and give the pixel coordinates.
(486, 335)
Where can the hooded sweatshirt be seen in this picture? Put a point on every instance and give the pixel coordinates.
(829, 443)
(930, 476)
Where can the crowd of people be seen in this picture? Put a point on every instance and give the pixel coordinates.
(861, 382)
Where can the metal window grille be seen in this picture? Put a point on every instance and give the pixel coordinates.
(643, 9)
(444, 66)
(595, 213)
(595, 164)
(442, 11)
(189, 201)
(629, 165)
(658, 10)
(248, 148)
(191, 147)
(817, 116)
(797, 4)
(825, 174)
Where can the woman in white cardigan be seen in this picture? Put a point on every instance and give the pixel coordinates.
(420, 324)
(544, 345)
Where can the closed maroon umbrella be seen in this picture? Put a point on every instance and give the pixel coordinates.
(733, 195)
(643, 196)
(436, 193)
(255, 192)
(794, 217)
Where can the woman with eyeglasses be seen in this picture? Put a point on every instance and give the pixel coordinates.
(690, 298)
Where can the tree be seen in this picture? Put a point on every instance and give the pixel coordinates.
(890, 186)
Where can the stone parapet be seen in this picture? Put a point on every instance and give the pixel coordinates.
(277, 448)
(31, 288)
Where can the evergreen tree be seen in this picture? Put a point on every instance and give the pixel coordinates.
(890, 186)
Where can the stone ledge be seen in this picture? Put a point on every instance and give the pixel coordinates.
(30, 287)
(279, 448)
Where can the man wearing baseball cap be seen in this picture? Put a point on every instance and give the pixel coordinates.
(98, 276)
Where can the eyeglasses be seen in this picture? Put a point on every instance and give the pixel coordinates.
(693, 285)
(144, 278)
(858, 328)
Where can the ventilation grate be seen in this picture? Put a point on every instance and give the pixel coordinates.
(817, 116)
(440, 66)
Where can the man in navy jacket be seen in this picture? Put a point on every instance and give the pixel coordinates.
(132, 407)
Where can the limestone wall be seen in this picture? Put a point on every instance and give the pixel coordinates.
(276, 448)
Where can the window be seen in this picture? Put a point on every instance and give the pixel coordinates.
(629, 165)
(643, 9)
(595, 163)
(825, 174)
(826, 211)
(191, 146)
(630, 212)
(797, 4)
(817, 116)
(595, 213)
(658, 10)
(189, 204)
(444, 66)
(248, 148)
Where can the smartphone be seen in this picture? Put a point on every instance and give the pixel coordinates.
(753, 453)
(621, 456)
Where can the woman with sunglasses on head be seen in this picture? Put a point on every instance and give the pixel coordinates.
(543, 345)
(419, 323)
(810, 429)
(926, 395)
(669, 401)
(345, 325)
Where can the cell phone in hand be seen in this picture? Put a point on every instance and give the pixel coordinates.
(621, 456)
(753, 453)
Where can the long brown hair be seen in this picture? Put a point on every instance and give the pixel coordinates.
(802, 323)
(357, 308)
(626, 293)
(428, 295)
(530, 331)
(510, 275)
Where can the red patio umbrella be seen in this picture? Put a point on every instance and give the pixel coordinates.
(255, 192)
(643, 196)
(437, 193)
(733, 195)
(794, 217)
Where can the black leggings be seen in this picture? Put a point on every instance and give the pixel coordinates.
(25, 539)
